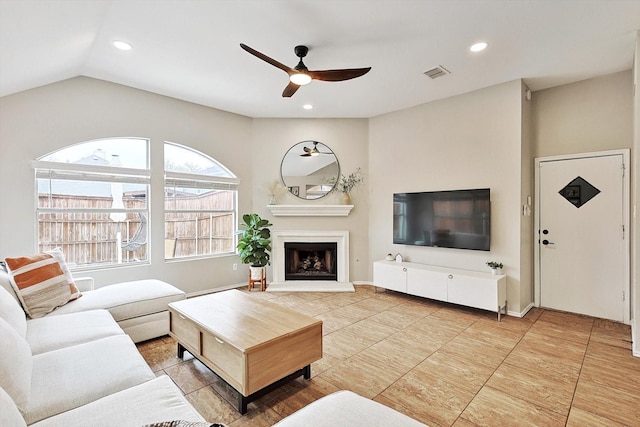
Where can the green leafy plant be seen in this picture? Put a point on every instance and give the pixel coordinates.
(346, 184)
(254, 245)
(494, 264)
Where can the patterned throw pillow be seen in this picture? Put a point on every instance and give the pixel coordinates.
(42, 282)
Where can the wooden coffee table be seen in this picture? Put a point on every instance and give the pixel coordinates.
(252, 344)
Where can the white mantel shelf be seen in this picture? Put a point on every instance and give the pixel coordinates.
(310, 210)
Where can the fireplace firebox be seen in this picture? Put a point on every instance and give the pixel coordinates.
(310, 261)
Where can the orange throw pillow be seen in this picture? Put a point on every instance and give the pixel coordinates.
(42, 282)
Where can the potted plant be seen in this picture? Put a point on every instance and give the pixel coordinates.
(346, 184)
(254, 244)
(495, 266)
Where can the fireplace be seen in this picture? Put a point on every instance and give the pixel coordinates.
(330, 247)
(310, 261)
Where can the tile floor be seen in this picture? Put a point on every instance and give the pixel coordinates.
(441, 364)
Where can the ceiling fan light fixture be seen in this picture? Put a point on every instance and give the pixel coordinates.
(300, 79)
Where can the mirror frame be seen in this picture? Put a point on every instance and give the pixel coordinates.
(293, 152)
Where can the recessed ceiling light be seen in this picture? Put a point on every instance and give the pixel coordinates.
(478, 47)
(119, 44)
(307, 107)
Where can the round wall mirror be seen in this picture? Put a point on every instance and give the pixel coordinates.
(309, 170)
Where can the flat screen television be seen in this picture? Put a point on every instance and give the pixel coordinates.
(449, 219)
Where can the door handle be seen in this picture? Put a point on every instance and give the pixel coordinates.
(546, 242)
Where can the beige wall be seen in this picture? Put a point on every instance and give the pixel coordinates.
(348, 138)
(468, 141)
(586, 116)
(38, 121)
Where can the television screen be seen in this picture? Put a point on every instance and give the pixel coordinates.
(448, 219)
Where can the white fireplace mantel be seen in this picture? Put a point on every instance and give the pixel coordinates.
(310, 210)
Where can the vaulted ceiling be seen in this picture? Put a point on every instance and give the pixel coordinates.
(189, 49)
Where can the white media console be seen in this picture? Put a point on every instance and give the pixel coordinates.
(464, 287)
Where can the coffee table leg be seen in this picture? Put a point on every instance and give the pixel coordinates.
(307, 372)
(180, 351)
(242, 404)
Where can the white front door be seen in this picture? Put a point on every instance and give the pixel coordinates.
(582, 240)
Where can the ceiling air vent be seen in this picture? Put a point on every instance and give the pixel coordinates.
(436, 72)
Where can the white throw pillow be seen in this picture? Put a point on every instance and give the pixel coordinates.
(11, 311)
(16, 365)
(9, 413)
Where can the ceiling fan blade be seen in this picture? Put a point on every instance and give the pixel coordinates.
(338, 75)
(290, 90)
(265, 58)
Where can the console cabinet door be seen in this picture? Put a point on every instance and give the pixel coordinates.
(473, 291)
(390, 276)
(427, 284)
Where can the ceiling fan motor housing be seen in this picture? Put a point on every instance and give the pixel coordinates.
(301, 51)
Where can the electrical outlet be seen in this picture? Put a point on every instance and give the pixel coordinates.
(235, 267)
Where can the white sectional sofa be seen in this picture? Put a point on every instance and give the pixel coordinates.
(78, 369)
(139, 307)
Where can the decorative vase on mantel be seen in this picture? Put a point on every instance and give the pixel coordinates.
(346, 199)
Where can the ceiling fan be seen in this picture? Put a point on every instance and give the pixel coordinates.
(300, 75)
(310, 152)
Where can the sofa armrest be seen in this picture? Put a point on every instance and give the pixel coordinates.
(84, 284)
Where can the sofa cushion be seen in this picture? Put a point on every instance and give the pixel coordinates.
(42, 282)
(55, 332)
(150, 402)
(16, 365)
(5, 282)
(345, 408)
(11, 311)
(9, 413)
(70, 377)
(128, 299)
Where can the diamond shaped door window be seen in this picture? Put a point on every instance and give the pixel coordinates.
(578, 192)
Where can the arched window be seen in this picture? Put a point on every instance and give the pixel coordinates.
(92, 201)
(200, 204)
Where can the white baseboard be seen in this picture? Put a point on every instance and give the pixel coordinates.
(521, 313)
(635, 345)
(362, 282)
(210, 291)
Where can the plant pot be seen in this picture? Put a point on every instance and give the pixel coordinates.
(257, 273)
(496, 271)
(346, 199)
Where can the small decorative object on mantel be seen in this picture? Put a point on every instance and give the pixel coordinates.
(275, 190)
(389, 257)
(346, 184)
(399, 258)
(495, 266)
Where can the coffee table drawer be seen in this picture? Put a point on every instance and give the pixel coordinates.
(227, 358)
(185, 330)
